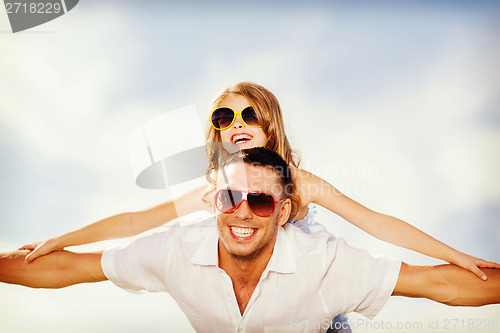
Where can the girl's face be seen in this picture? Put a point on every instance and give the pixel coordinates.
(239, 133)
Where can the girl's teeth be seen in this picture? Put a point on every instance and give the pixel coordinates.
(241, 138)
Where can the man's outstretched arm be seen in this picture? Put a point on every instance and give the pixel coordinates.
(56, 270)
(448, 284)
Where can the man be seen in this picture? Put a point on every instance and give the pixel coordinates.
(252, 271)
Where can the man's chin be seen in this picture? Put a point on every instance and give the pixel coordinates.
(239, 253)
(244, 256)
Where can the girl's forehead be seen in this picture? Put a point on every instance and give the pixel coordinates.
(235, 101)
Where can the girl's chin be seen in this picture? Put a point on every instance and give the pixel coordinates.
(247, 145)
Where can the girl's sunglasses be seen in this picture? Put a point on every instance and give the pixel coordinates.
(261, 204)
(224, 117)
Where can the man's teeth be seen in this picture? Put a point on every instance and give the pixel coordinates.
(242, 232)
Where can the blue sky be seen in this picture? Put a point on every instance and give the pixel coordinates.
(406, 90)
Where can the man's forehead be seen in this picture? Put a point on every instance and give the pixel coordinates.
(243, 176)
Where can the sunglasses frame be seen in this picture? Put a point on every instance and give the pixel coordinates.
(235, 114)
(245, 198)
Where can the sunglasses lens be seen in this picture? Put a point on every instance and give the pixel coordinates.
(222, 118)
(228, 200)
(261, 204)
(249, 117)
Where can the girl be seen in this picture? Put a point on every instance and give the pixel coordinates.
(248, 115)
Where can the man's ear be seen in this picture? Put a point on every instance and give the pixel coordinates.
(285, 210)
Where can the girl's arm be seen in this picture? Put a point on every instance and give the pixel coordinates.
(384, 227)
(121, 225)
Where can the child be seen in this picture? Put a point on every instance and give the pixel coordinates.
(248, 115)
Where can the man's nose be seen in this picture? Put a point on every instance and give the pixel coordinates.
(243, 211)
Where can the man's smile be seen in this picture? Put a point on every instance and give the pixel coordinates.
(242, 233)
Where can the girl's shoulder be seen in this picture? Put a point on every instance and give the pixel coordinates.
(307, 184)
(302, 176)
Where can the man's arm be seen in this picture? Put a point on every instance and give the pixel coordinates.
(448, 284)
(56, 270)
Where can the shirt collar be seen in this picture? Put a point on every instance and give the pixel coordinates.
(206, 254)
(282, 259)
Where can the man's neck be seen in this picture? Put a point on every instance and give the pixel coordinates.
(245, 273)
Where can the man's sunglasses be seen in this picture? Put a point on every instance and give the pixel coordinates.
(224, 117)
(261, 204)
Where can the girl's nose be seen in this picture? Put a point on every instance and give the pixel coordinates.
(238, 122)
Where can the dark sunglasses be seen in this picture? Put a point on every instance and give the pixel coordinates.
(261, 204)
(224, 117)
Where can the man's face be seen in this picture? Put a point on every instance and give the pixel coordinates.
(242, 233)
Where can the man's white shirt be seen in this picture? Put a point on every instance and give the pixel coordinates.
(308, 280)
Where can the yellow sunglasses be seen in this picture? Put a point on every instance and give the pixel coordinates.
(223, 117)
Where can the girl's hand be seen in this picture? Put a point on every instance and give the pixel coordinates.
(40, 248)
(472, 264)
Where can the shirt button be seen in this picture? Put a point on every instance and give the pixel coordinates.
(240, 329)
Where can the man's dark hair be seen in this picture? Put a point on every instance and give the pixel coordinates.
(267, 158)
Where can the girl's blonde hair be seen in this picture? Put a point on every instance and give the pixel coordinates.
(268, 112)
